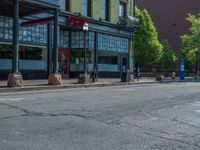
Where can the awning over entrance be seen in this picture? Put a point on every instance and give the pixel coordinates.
(26, 7)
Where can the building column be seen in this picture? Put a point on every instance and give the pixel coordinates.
(131, 60)
(55, 42)
(49, 49)
(95, 57)
(85, 51)
(15, 78)
(55, 77)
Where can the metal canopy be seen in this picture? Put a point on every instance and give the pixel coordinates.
(26, 7)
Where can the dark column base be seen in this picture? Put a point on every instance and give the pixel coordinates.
(55, 79)
(15, 80)
(84, 78)
(127, 77)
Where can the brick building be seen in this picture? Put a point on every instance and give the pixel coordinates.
(169, 17)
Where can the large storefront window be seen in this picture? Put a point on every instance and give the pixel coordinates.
(5, 28)
(77, 51)
(108, 58)
(110, 49)
(112, 43)
(77, 60)
(77, 38)
(35, 34)
(77, 57)
(64, 39)
(31, 58)
(30, 53)
(5, 51)
(108, 61)
(25, 53)
(32, 35)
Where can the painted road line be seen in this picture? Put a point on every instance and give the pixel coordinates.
(12, 99)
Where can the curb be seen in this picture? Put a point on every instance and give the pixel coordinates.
(79, 86)
(68, 86)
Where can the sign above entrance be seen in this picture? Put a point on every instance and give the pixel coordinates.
(76, 21)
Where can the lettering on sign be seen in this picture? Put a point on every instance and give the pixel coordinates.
(75, 21)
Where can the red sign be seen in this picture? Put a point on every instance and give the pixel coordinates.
(75, 21)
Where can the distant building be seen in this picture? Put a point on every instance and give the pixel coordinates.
(169, 17)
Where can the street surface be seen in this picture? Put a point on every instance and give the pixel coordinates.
(136, 117)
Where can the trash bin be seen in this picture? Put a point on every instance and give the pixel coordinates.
(125, 76)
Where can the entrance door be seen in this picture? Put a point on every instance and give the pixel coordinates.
(124, 62)
(63, 58)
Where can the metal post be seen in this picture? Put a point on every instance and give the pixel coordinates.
(196, 68)
(95, 56)
(198, 63)
(84, 64)
(55, 42)
(70, 40)
(84, 78)
(15, 60)
(49, 49)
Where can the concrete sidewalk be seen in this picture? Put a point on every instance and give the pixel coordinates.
(31, 85)
(44, 82)
(36, 85)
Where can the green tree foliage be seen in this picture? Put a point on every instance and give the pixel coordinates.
(148, 49)
(189, 56)
(192, 41)
(169, 58)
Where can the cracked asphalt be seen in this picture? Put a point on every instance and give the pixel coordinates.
(134, 117)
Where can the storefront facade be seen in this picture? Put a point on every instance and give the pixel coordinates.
(107, 46)
(32, 49)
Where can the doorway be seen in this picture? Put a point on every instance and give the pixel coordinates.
(123, 64)
(64, 66)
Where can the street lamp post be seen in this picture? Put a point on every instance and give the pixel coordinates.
(84, 77)
(85, 30)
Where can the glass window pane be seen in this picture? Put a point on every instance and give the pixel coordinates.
(84, 7)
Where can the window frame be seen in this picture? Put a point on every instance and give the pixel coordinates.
(124, 6)
(107, 17)
(106, 10)
(67, 5)
(87, 8)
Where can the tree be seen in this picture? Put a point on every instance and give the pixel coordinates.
(169, 58)
(148, 49)
(188, 55)
(191, 42)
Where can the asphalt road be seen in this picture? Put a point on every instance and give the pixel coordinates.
(142, 117)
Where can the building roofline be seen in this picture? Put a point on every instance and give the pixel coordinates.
(90, 19)
(26, 7)
(41, 3)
